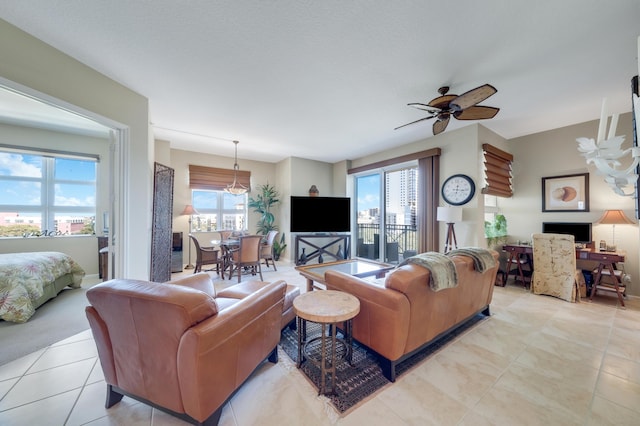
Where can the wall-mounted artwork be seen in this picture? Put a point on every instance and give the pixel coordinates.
(568, 193)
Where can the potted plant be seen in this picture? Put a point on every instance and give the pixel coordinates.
(496, 231)
(264, 201)
(278, 247)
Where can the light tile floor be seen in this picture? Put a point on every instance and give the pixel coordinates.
(536, 361)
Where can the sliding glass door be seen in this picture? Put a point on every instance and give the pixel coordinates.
(386, 209)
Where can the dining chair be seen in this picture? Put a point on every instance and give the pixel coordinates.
(266, 251)
(554, 267)
(206, 256)
(246, 256)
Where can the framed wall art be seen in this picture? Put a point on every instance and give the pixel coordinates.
(568, 193)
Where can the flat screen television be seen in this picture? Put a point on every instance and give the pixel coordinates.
(320, 214)
(581, 231)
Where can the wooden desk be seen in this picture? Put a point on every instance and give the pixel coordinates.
(606, 261)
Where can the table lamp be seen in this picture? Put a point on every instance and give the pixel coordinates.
(189, 210)
(450, 215)
(614, 217)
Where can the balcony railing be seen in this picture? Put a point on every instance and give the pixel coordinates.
(401, 242)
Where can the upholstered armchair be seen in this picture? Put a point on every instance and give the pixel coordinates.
(177, 347)
(554, 267)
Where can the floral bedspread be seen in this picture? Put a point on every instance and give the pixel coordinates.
(22, 280)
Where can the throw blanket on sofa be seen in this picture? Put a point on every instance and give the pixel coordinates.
(442, 269)
(482, 258)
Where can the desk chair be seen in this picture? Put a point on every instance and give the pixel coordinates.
(555, 273)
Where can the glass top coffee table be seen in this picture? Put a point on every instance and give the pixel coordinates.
(356, 267)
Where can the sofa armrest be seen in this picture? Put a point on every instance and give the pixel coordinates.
(383, 321)
(218, 355)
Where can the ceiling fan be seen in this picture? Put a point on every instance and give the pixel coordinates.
(462, 107)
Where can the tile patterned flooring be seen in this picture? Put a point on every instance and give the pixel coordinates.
(536, 361)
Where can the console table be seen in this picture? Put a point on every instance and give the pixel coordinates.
(607, 262)
(321, 248)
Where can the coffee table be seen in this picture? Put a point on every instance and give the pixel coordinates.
(328, 307)
(356, 267)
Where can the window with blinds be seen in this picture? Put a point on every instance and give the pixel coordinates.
(214, 179)
(497, 169)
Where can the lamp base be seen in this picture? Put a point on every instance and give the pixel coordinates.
(189, 266)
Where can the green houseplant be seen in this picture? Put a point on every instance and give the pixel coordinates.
(496, 231)
(267, 198)
(278, 247)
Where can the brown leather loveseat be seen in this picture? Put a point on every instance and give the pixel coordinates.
(178, 347)
(404, 315)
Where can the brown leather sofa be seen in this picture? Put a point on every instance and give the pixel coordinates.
(178, 346)
(404, 315)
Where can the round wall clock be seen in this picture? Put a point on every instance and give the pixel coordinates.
(458, 190)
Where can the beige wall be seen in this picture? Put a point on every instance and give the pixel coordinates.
(28, 63)
(555, 153)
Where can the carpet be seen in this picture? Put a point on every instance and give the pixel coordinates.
(57, 319)
(355, 383)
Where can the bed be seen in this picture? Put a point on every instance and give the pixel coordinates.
(27, 280)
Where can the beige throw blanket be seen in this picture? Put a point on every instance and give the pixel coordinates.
(482, 258)
(442, 269)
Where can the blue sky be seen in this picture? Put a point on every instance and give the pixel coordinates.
(368, 192)
(27, 192)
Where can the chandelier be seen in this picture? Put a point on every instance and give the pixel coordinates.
(236, 188)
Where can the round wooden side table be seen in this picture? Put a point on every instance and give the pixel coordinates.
(326, 307)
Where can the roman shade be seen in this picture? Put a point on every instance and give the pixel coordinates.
(497, 169)
(214, 179)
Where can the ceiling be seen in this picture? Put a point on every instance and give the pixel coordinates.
(330, 80)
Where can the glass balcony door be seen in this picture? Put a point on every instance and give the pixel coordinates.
(386, 208)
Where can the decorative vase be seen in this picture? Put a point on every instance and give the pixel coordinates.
(340, 254)
(320, 258)
(303, 257)
(313, 191)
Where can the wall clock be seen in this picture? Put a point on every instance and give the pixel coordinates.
(458, 190)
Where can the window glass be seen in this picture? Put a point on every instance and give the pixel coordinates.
(218, 210)
(46, 195)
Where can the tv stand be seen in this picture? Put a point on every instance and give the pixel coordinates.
(314, 249)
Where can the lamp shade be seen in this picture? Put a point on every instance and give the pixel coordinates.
(449, 214)
(189, 210)
(614, 217)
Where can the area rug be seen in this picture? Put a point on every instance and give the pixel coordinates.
(356, 383)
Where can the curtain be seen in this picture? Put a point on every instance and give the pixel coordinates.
(214, 179)
(497, 169)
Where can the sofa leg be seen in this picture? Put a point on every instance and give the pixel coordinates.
(486, 312)
(113, 397)
(214, 418)
(273, 356)
(388, 369)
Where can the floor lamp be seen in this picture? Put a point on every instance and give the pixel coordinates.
(450, 215)
(189, 210)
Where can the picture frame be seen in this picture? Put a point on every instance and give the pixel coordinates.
(567, 193)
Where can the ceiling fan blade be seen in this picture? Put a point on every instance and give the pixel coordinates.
(477, 112)
(424, 107)
(414, 122)
(441, 124)
(472, 97)
(442, 102)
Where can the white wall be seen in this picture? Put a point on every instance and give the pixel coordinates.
(30, 63)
